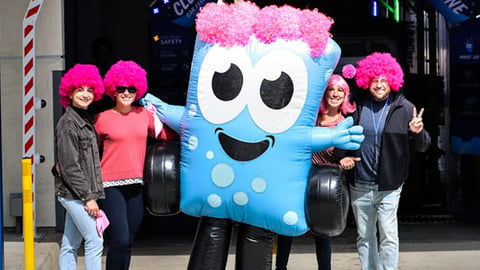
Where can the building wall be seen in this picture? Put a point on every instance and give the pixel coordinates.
(49, 57)
(124, 22)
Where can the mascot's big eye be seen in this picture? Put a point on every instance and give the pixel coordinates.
(282, 84)
(226, 86)
(221, 83)
(278, 93)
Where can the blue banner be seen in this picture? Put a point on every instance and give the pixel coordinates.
(180, 12)
(187, 9)
(455, 11)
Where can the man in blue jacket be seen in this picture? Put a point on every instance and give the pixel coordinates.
(391, 126)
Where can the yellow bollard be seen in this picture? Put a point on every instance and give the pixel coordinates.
(28, 234)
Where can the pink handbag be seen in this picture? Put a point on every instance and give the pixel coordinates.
(102, 222)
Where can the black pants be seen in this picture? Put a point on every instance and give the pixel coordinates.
(123, 206)
(323, 250)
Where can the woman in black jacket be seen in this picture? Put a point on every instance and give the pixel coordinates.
(80, 183)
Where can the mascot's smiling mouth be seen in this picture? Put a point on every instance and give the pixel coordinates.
(240, 150)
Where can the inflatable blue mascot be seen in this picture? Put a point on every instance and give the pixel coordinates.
(247, 131)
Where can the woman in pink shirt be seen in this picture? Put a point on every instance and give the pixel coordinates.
(123, 132)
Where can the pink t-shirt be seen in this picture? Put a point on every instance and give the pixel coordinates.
(124, 141)
(325, 156)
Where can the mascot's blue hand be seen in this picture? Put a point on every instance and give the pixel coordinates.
(168, 114)
(347, 136)
(142, 102)
(160, 106)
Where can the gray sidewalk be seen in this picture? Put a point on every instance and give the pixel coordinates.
(422, 246)
(45, 250)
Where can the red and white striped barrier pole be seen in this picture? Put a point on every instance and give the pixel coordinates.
(29, 101)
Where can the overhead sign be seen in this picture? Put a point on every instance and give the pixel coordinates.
(456, 11)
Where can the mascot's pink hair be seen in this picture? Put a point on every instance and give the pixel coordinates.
(126, 73)
(230, 25)
(78, 76)
(347, 107)
(379, 64)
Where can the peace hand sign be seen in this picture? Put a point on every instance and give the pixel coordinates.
(416, 124)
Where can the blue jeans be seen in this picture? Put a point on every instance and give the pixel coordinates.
(369, 207)
(79, 225)
(123, 206)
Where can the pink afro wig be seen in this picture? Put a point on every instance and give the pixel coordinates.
(379, 64)
(231, 25)
(79, 76)
(126, 73)
(347, 107)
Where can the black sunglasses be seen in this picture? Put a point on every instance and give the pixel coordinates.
(130, 89)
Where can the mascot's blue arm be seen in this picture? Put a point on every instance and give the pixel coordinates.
(344, 136)
(168, 114)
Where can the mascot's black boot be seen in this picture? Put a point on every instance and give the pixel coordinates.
(210, 247)
(254, 248)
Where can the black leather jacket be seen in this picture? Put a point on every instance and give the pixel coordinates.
(79, 159)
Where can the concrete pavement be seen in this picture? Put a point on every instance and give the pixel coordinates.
(46, 249)
(446, 245)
